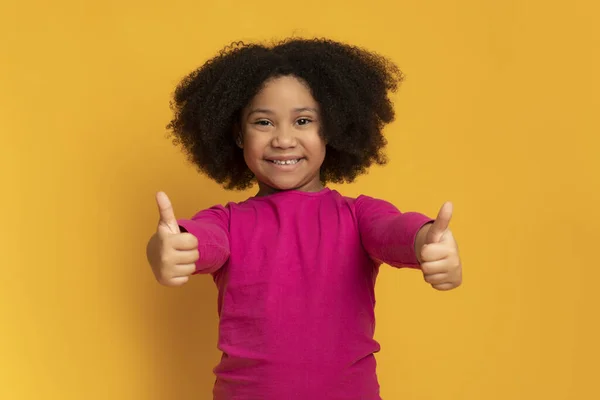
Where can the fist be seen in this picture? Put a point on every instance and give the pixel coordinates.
(171, 253)
(440, 261)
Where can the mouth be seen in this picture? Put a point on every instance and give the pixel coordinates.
(282, 162)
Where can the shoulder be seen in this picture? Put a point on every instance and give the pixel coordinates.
(368, 204)
(215, 213)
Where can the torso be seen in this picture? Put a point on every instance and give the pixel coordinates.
(296, 302)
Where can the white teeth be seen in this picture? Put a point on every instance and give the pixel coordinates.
(286, 162)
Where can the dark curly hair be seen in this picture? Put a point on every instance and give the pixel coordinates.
(350, 84)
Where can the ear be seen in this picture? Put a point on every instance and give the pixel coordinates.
(238, 136)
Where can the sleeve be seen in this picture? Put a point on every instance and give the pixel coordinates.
(387, 234)
(211, 228)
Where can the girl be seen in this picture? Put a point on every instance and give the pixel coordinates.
(295, 265)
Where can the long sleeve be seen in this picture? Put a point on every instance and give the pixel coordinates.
(387, 234)
(211, 228)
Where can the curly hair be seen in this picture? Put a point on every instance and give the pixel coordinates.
(350, 84)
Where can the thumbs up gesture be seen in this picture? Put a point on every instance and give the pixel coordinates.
(440, 261)
(171, 253)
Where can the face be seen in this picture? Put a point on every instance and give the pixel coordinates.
(281, 137)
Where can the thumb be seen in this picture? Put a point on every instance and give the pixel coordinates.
(168, 222)
(440, 225)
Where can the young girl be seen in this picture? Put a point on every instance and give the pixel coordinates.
(295, 265)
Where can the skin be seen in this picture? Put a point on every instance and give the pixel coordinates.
(437, 252)
(282, 122)
(170, 252)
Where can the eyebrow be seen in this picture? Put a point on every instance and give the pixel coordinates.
(270, 112)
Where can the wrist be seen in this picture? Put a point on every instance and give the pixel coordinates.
(420, 240)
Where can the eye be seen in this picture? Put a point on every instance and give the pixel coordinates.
(263, 122)
(303, 121)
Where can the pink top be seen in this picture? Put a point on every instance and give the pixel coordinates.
(296, 273)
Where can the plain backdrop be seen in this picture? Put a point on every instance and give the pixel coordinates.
(498, 113)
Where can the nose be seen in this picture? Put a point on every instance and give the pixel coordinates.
(284, 138)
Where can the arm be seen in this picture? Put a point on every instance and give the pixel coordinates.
(211, 228)
(388, 235)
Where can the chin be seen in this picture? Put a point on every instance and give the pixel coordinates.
(285, 185)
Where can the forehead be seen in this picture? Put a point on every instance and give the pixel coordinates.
(284, 91)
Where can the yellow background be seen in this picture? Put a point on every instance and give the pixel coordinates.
(499, 113)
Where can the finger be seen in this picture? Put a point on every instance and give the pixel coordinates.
(436, 279)
(186, 257)
(183, 270)
(440, 225)
(167, 215)
(178, 281)
(435, 267)
(444, 286)
(434, 252)
(184, 241)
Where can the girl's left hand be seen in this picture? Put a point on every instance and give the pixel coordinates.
(440, 261)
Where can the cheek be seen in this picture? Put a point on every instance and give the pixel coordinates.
(253, 151)
(317, 147)
(250, 156)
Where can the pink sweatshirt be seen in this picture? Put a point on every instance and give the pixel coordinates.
(295, 273)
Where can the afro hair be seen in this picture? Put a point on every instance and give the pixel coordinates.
(350, 84)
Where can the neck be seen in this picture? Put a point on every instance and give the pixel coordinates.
(265, 190)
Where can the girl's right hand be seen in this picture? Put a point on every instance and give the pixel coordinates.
(171, 253)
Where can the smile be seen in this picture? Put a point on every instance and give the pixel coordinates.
(286, 162)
